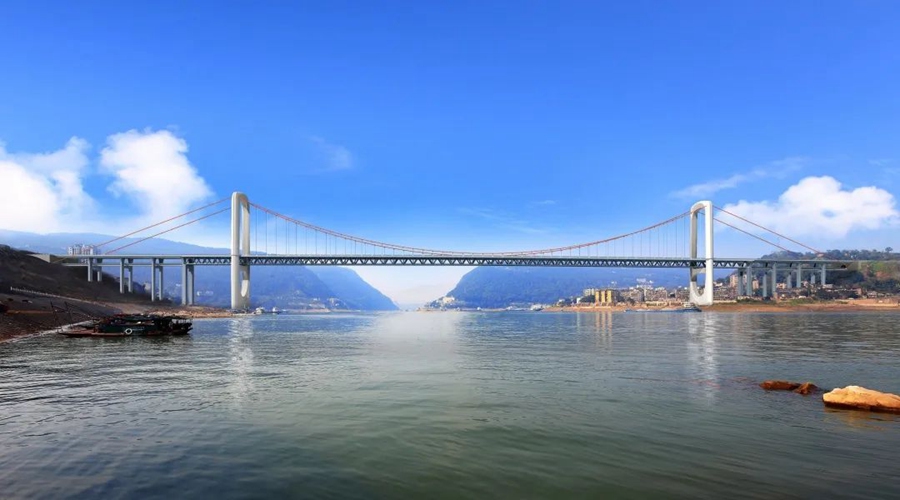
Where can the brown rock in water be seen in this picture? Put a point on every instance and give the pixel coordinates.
(806, 388)
(779, 385)
(859, 398)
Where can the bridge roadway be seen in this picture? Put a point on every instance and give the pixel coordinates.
(99, 261)
(746, 267)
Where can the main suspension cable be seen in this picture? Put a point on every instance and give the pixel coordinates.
(169, 230)
(160, 223)
(427, 251)
(767, 229)
(760, 238)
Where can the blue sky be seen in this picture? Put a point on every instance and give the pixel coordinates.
(463, 125)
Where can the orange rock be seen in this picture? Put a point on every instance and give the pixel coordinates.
(860, 398)
(806, 388)
(779, 385)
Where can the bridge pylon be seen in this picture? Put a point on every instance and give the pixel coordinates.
(240, 247)
(706, 297)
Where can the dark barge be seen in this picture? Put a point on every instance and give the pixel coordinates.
(132, 325)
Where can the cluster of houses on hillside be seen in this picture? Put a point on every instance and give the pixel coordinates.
(646, 293)
(726, 290)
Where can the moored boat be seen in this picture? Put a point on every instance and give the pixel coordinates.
(132, 325)
(262, 310)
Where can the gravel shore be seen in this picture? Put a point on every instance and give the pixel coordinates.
(28, 315)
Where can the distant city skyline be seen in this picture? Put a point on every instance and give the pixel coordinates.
(464, 126)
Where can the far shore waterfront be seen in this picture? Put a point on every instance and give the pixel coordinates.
(861, 305)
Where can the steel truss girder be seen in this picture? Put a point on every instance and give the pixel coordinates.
(463, 261)
(437, 260)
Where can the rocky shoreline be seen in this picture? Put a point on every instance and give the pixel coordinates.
(28, 315)
(852, 397)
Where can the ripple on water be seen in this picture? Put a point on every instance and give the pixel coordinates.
(453, 405)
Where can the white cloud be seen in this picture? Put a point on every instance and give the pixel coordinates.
(44, 191)
(821, 207)
(336, 157)
(776, 169)
(153, 169)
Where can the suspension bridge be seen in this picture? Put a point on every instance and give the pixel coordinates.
(684, 240)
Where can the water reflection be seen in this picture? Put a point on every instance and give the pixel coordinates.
(864, 420)
(703, 356)
(599, 326)
(418, 405)
(240, 335)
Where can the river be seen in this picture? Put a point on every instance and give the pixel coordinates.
(454, 405)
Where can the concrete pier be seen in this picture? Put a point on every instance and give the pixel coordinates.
(187, 283)
(153, 280)
(184, 287)
(190, 284)
(774, 279)
(161, 284)
(130, 275)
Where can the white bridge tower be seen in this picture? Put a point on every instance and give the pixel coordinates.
(705, 298)
(240, 247)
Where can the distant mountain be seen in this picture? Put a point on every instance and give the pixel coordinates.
(284, 287)
(270, 286)
(353, 290)
(57, 243)
(502, 286)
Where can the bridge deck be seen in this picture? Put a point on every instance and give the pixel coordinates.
(438, 260)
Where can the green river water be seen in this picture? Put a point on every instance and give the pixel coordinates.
(454, 405)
